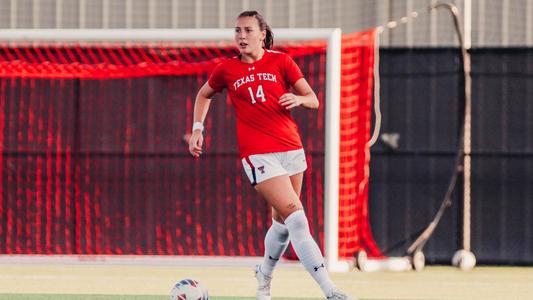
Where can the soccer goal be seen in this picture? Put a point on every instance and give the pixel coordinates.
(94, 124)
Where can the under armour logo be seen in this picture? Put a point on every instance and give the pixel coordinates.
(272, 258)
(262, 169)
(318, 267)
(251, 68)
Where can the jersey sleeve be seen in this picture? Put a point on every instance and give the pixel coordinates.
(216, 79)
(292, 71)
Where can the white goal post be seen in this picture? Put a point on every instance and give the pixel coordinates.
(332, 36)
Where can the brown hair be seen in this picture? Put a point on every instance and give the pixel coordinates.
(269, 39)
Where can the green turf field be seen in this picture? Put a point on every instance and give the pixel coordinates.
(150, 282)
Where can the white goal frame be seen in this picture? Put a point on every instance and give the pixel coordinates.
(332, 36)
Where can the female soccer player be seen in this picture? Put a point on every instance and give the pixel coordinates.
(258, 82)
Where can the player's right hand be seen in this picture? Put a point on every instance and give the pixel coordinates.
(195, 143)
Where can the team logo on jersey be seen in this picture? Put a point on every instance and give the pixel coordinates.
(251, 68)
(262, 169)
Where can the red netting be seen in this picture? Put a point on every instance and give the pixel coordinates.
(357, 74)
(93, 158)
(119, 60)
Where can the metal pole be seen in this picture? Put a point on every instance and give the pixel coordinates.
(331, 210)
(467, 130)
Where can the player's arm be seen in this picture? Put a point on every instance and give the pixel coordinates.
(304, 96)
(201, 106)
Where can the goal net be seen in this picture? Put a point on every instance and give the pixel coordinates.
(93, 130)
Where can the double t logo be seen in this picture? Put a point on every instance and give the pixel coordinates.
(262, 169)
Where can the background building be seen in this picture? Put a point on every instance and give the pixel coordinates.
(493, 22)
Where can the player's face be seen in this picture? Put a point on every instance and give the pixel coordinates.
(248, 35)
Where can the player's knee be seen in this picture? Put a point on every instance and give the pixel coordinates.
(280, 229)
(291, 209)
(297, 221)
(276, 216)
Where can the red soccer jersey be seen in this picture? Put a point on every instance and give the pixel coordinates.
(263, 125)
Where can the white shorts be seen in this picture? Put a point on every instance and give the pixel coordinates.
(260, 167)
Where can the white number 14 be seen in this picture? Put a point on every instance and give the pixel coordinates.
(259, 94)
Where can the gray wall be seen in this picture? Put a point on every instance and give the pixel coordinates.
(422, 92)
(494, 22)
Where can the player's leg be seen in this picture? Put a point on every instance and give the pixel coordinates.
(277, 236)
(278, 191)
(276, 242)
(259, 168)
(280, 185)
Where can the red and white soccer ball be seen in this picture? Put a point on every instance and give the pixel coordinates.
(188, 289)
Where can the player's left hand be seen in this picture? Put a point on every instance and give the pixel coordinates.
(290, 101)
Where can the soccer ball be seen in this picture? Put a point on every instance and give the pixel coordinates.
(188, 289)
(464, 259)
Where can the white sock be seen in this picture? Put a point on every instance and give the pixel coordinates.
(308, 251)
(276, 242)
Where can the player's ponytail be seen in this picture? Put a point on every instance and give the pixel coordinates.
(269, 39)
(263, 25)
